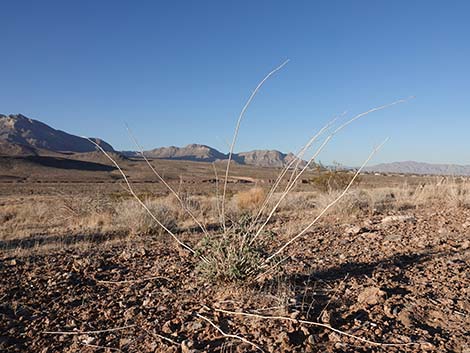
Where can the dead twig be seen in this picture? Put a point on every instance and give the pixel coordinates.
(318, 324)
(227, 335)
(162, 337)
(100, 347)
(87, 332)
(131, 280)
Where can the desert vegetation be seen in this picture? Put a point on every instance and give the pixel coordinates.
(304, 261)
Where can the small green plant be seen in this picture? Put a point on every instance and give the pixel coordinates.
(231, 255)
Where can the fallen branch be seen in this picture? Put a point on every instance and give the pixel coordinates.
(87, 332)
(227, 335)
(318, 324)
(131, 280)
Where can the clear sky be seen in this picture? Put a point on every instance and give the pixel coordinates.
(178, 72)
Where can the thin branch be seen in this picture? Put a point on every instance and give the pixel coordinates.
(229, 335)
(87, 332)
(296, 160)
(324, 144)
(217, 196)
(240, 117)
(318, 324)
(100, 347)
(332, 297)
(162, 337)
(132, 280)
(183, 205)
(131, 190)
(331, 204)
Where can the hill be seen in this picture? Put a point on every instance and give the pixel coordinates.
(411, 167)
(18, 130)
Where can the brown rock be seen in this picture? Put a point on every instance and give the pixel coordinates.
(371, 296)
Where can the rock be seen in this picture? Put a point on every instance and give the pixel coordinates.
(371, 296)
(352, 230)
(394, 219)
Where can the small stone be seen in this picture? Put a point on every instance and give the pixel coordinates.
(395, 219)
(311, 340)
(371, 296)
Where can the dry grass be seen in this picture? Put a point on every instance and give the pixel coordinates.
(250, 200)
(129, 216)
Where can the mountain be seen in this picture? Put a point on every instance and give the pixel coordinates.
(265, 158)
(411, 167)
(18, 130)
(14, 149)
(193, 152)
(22, 136)
(203, 153)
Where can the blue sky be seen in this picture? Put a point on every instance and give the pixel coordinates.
(178, 72)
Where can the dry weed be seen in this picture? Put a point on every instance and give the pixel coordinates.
(129, 215)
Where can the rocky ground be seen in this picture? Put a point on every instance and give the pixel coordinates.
(401, 278)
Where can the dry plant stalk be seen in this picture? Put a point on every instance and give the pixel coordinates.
(331, 204)
(139, 200)
(291, 185)
(87, 332)
(235, 135)
(227, 335)
(182, 204)
(318, 324)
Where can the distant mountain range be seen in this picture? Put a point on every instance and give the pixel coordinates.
(419, 168)
(203, 153)
(22, 136)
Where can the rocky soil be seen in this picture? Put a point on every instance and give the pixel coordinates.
(395, 278)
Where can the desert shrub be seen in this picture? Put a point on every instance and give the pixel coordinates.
(294, 201)
(398, 198)
(244, 204)
(133, 217)
(331, 180)
(356, 201)
(249, 200)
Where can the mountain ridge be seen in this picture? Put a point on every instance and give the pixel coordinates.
(23, 136)
(20, 130)
(420, 168)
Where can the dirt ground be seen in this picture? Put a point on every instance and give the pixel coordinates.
(394, 279)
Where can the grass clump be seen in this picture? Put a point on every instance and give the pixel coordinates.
(138, 221)
(231, 256)
(250, 200)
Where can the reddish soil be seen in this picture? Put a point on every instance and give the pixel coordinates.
(394, 280)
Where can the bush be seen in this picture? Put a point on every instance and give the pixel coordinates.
(133, 217)
(332, 180)
(250, 200)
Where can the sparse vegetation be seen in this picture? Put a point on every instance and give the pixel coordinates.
(129, 215)
(240, 239)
